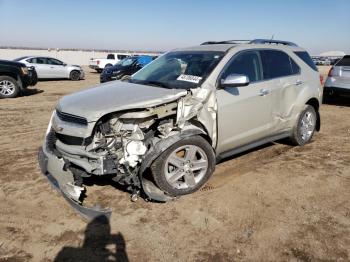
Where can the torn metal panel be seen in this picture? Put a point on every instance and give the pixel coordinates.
(113, 97)
(199, 104)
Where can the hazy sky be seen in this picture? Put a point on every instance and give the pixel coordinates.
(317, 25)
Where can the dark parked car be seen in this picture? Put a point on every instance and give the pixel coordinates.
(125, 68)
(15, 77)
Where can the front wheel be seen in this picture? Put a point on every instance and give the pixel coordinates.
(305, 126)
(184, 167)
(74, 75)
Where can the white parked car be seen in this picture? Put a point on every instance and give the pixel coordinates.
(48, 67)
(99, 64)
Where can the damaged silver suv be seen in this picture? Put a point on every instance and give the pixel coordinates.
(162, 131)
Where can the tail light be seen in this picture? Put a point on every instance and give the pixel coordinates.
(321, 80)
(98, 62)
(330, 73)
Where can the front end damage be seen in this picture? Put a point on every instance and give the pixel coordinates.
(122, 145)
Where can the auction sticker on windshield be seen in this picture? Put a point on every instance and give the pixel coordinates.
(189, 78)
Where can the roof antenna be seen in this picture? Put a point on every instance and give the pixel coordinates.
(273, 35)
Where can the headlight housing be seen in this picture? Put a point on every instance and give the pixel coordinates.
(24, 70)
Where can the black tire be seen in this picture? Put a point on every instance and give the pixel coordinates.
(74, 75)
(9, 87)
(297, 136)
(108, 65)
(99, 70)
(158, 166)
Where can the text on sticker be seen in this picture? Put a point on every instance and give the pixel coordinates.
(189, 78)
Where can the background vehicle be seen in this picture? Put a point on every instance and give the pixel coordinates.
(14, 78)
(48, 67)
(338, 81)
(165, 128)
(99, 64)
(125, 68)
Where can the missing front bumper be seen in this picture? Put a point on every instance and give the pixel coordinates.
(62, 178)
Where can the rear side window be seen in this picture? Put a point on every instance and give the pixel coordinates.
(307, 59)
(120, 57)
(39, 60)
(345, 61)
(277, 64)
(110, 56)
(295, 67)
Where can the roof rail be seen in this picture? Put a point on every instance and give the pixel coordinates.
(226, 42)
(269, 41)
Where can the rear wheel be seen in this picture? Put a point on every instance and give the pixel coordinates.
(305, 127)
(184, 167)
(8, 87)
(74, 75)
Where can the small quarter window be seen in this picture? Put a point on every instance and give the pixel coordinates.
(295, 67)
(307, 59)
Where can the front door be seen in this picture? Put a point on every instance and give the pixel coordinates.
(57, 68)
(244, 113)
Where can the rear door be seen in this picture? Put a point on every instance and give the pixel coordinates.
(285, 81)
(244, 113)
(41, 67)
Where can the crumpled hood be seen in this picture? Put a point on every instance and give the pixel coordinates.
(93, 103)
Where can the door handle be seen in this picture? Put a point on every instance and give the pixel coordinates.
(299, 82)
(51, 67)
(264, 92)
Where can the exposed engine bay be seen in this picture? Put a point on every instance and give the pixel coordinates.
(124, 144)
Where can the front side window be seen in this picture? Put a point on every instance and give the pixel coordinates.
(53, 61)
(179, 69)
(276, 64)
(248, 64)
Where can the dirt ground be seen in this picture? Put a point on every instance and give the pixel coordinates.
(275, 203)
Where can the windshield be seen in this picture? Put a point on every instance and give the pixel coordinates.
(126, 61)
(20, 58)
(182, 69)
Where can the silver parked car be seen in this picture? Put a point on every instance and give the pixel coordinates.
(48, 67)
(338, 81)
(162, 131)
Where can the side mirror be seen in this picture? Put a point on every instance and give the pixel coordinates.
(64, 64)
(234, 80)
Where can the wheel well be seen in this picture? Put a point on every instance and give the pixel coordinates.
(316, 105)
(108, 65)
(10, 74)
(201, 126)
